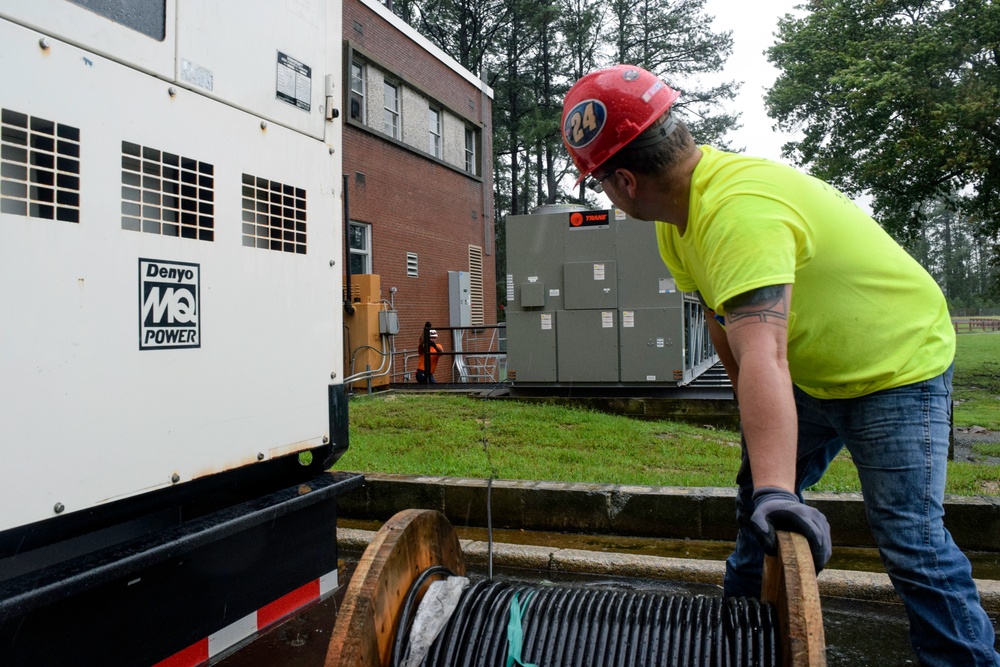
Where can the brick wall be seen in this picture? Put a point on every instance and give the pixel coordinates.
(413, 202)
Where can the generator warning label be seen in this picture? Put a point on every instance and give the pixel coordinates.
(294, 82)
(169, 308)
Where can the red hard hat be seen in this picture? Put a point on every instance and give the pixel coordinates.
(607, 109)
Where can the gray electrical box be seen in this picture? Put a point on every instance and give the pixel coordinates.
(459, 299)
(590, 302)
(388, 322)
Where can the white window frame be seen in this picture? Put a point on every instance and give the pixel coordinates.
(358, 90)
(434, 125)
(470, 151)
(390, 120)
(366, 252)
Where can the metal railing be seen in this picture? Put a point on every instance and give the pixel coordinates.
(479, 355)
(699, 353)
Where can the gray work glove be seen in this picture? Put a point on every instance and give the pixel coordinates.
(777, 509)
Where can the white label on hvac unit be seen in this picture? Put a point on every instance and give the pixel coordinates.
(607, 319)
(510, 287)
(546, 321)
(628, 318)
(532, 279)
(651, 378)
(294, 82)
(667, 286)
(169, 309)
(553, 292)
(619, 214)
(197, 75)
(659, 342)
(598, 272)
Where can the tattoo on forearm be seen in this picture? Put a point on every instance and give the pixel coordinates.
(764, 304)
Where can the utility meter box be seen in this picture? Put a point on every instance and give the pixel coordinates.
(590, 303)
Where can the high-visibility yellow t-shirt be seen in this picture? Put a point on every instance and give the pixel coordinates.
(864, 317)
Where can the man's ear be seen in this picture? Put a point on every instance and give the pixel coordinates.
(628, 182)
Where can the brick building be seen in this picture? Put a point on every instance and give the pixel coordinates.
(418, 156)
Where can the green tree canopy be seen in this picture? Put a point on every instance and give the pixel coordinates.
(899, 99)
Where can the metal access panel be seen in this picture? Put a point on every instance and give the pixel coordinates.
(172, 297)
(536, 263)
(591, 284)
(652, 345)
(643, 278)
(270, 59)
(534, 358)
(588, 345)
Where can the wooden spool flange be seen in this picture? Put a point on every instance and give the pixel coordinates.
(414, 540)
(790, 585)
(406, 545)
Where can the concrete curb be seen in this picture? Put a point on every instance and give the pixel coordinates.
(644, 511)
(866, 586)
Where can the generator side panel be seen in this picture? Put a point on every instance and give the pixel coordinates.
(264, 57)
(171, 308)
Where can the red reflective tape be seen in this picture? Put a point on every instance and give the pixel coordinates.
(195, 654)
(287, 604)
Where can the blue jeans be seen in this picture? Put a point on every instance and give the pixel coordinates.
(898, 439)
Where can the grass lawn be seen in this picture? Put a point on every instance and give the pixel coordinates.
(977, 380)
(440, 434)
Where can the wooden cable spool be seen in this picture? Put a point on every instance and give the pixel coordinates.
(414, 540)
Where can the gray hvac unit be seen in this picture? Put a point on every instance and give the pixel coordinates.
(590, 303)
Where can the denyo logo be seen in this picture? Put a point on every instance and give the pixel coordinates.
(169, 304)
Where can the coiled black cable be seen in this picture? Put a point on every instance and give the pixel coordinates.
(399, 647)
(570, 626)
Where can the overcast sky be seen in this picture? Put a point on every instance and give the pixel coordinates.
(753, 23)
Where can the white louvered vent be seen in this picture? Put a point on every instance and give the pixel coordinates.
(274, 215)
(167, 194)
(476, 285)
(39, 167)
(411, 264)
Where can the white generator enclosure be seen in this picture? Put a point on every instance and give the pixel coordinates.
(171, 396)
(170, 240)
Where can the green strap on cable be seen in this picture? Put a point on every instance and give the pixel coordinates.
(515, 634)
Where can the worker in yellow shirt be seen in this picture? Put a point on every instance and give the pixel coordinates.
(832, 335)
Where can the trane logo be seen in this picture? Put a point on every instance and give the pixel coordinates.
(588, 219)
(168, 304)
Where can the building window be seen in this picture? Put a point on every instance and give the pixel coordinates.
(411, 265)
(361, 248)
(470, 150)
(476, 285)
(434, 122)
(357, 102)
(390, 124)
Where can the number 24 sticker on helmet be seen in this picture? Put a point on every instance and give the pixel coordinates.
(584, 122)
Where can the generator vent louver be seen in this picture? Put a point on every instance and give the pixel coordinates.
(167, 194)
(39, 167)
(274, 215)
